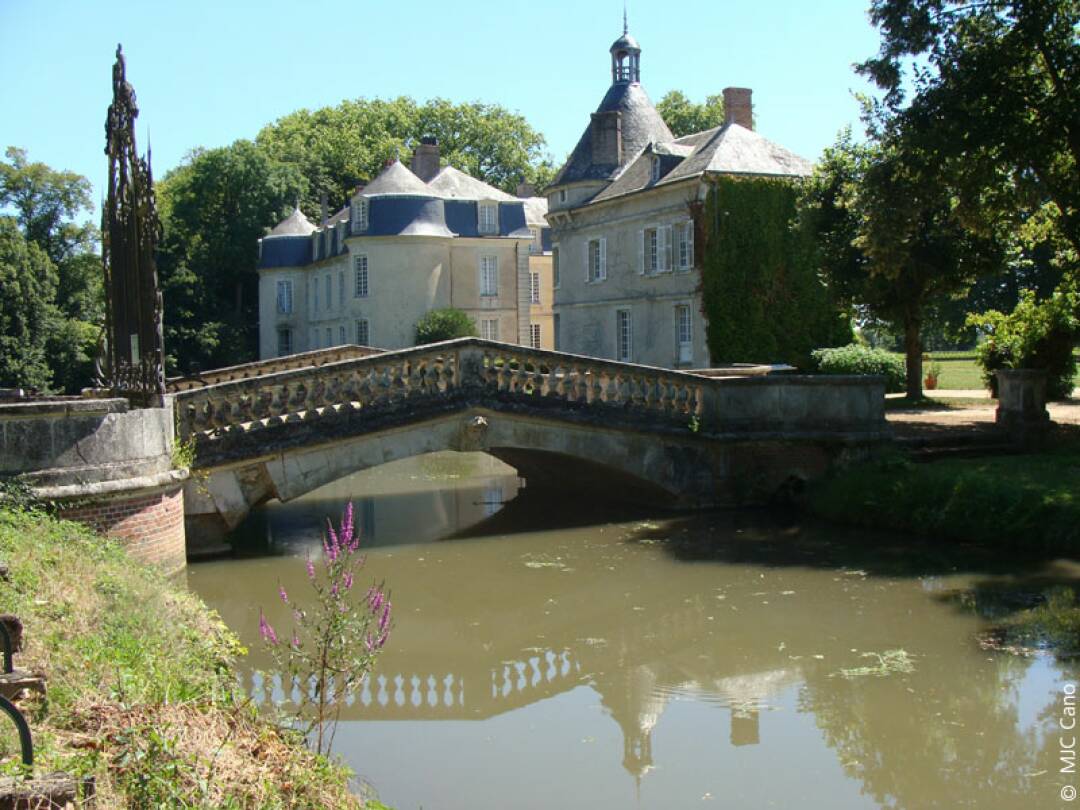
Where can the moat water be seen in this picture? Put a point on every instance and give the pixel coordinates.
(553, 652)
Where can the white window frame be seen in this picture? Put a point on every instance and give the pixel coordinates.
(489, 328)
(534, 288)
(360, 215)
(487, 217)
(489, 276)
(361, 286)
(363, 332)
(284, 296)
(655, 250)
(684, 334)
(534, 335)
(624, 335)
(596, 262)
(684, 246)
(287, 343)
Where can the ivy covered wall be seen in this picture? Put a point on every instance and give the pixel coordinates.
(763, 298)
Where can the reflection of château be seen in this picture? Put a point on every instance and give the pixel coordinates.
(636, 667)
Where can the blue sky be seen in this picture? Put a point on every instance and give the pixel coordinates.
(208, 73)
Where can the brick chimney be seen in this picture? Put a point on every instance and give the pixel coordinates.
(525, 190)
(738, 107)
(607, 138)
(425, 159)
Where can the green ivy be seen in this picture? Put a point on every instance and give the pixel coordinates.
(764, 300)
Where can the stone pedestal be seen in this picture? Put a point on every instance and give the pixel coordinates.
(1021, 408)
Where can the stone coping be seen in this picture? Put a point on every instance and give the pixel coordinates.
(62, 407)
(97, 488)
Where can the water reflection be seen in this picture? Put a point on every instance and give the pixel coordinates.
(726, 657)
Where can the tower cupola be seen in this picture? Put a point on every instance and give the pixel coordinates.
(625, 58)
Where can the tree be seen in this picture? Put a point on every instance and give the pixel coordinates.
(28, 282)
(214, 208)
(684, 117)
(997, 91)
(889, 235)
(444, 324)
(337, 148)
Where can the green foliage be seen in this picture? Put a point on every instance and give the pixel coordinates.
(337, 148)
(684, 117)
(1026, 503)
(28, 282)
(855, 359)
(763, 298)
(214, 208)
(45, 203)
(1036, 334)
(444, 324)
(996, 86)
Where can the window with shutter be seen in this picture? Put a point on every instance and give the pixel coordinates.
(284, 297)
(489, 276)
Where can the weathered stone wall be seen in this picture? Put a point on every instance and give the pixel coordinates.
(103, 465)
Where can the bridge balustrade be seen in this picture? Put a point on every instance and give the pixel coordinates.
(469, 367)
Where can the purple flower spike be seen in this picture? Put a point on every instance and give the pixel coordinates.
(267, 632)
(384, 621)
(348, 581)
(310, 570)
(284, 596)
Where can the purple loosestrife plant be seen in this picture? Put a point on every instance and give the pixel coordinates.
(336, 638)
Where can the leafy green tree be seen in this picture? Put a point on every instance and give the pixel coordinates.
(444, 324)
(338, 148)
(684, 117)
(996, 93)
(28, 282)
(214, 208)
(889, 235)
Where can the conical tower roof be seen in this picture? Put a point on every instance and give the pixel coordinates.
(397, 180)
(295, 224)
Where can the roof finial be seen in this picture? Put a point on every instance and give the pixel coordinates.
(625, 27)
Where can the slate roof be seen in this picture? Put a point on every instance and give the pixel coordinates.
(641, 125)
(455, 184)
(396, 179)
(295, 224)
(731, 149)
(536, 209)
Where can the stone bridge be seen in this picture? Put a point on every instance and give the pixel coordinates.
(675, 438)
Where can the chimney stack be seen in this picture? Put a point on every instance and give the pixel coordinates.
(606, 138)
(425, 159)
(526, 189)
(738, 108)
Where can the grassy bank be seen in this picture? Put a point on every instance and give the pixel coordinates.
(141, 689)
(1023, 502)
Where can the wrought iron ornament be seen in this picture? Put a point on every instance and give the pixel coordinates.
(134, 346)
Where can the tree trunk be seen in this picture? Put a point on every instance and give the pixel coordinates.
(913, 350)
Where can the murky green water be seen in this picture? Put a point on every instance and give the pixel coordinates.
(551, 653)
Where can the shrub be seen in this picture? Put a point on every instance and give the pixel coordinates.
(855, 359)
(444, 324)
(1037, 335)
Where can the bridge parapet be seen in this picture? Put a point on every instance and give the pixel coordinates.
(467, 368)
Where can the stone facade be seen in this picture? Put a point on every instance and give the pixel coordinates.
(627, 272)
(409, 242)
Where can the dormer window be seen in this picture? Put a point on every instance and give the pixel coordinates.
(360, 215)
(488, 214)
(655, 168)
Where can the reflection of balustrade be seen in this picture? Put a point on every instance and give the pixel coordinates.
(414, 696)
(468, 366)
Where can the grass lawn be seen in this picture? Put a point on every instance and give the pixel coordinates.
(960, 372)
